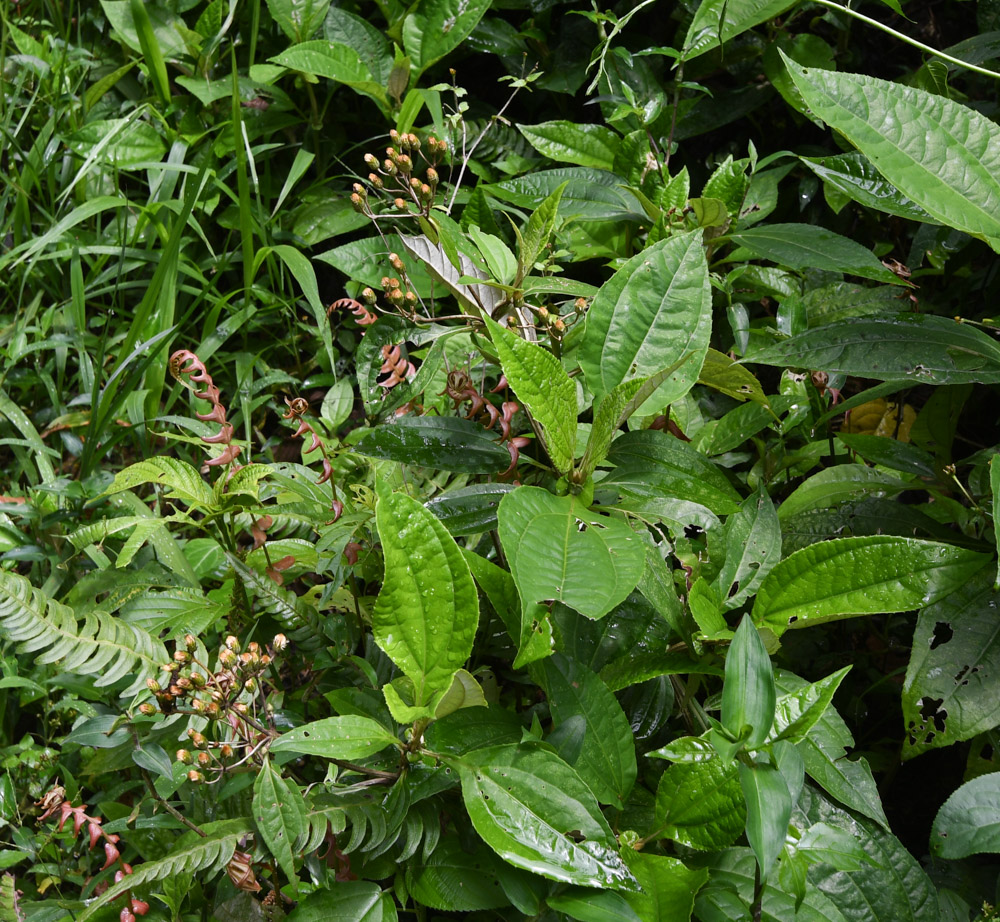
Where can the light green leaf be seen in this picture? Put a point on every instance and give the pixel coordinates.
(717, 21)
(298, 264)
(503, 265)
(923, 347)
(589, 905)
(847, 577)
(700, 804)
(653, 311)
(806, 246)
(436, 27)
(183, 479)
(348, 901)
(769, 808)
(968, 822)
(167, 27)
(753, 548)
(299, 19)
(348, 737)
(606, 754)
(334, 61)
(995, 490)
(588, 194)
(942, 155)
(839, 484)
(555, 545)
(796, 713)
(748, 693)
(949, 689)
(279, 812)
(566, 142)
(668, 887)
(522, 801)
(536, 233)
(121, 141)
(426, 614)
(542, 385)
(728, 376)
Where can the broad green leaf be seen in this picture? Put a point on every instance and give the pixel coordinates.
(347, 737)
(167, 27)
(444, 443)
(717, 21)
(838, 484)
(769, 807)
(668, 886)
(299, 19)
(923, 347)
(796, 713)
(748, 693)
(848, 577)
(123, 142)
(279, 812)
(501, 262)
(334, 61)
(995, 490)
(833, 846)
(824, 752)
(854, 175)
(470, 510)
(348, 901)
(184, 481)
(368, 40)
(606, 760)
(968, 822)
(686, 749)
(753, 547)
(806, 246)
(566, 142)
(890, 452)
(728, 376)
(522, 801)
(949, 689)
(588, 194)
(426, 614)
(942, 155)
(652, 312)
(589, 905)
(473, 728)
(843, 300)
(555, 545)
(436, 27)
(364, 261)
(700, 804)
(892, 887)
(651, 463)
(535, 236)
(454, 879)
(643, 666)
(542, 385)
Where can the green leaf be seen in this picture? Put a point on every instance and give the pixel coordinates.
(995, 490)
(753, 547)
(891, 453)
(184, 481)
(453, 879)
(854, 175)
(279, 812)
(923, 347)
(437, 27)
(769, 808)
(566, 142)
(501, 262)
(824, 752)
(299, 19)
(968, 822)
(347, 737)
(606, 759)
(806, 246)
(334, 61)
(348, 901)
(949, 689)
(542, 385)
(728, 376)
(593, 905)
(536, 232)
(303, 272)
(438, 442)
(426, 614)
(839, 484)
(847, 577)
(748, 693)
(652, 312)
(668, 886)
(522, 801)
(796, 713)
(123, 142)
(700, 804)
(167, 27)
(717, 21)
(555, 545)
(470, 510)
(942, 155)
(588, 194)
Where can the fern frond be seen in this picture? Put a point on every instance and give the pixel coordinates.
(101, 645)
(209, 855)
(10, 909)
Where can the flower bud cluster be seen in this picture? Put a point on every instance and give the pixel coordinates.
(393, 182)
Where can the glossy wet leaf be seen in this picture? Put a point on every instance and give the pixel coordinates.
(923, 347)
(953, 669)
(335, 62)
(839, 484)
(700, 804)
(469, 510)
(554, 545)
(349, 901)
(426, 614)
(716, 22)
(453, 879)
(769, 808)
(748, 692)
(298, 19)
(848, 577)
(542, 385)
(753, 547)
(589, 194)
(653, 311)
(523, 801)
(806, 246)
(727, 376)
(183, 480)
(118, 141)
(891, 453)
(606, 761)
(593, 905)
(443, 442)
(347, 737)
(567, 142)
(968, 822)
(942, 155)
(435, 27)
(279, 812)
(796, 713)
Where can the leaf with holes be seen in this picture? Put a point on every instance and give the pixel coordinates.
(279, 812)
(753, 547)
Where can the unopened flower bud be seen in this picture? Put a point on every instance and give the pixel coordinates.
(183, 683)
(227, 658)
(184, 755)
(147, 710)
(241, 708)
(265, 660)
(432, 176)
(250, 685)
(153, 685)
(375, 180)
(396, 262)
(414, 141)
(393, 135)
(197, 680)
(204, 759)
(170, 667)
(196, 777)
(191, 642)
(410, 298)
(226, 751)
(404, 163)
(280, 640)
(181, 656)
(543, 314)
(232, 643)
(212, 710)
(177, 691)
(372, 161)
(356, 202)
(389, 167)
(198, 706)
(198, 739)
(400, 204)
(558, 325)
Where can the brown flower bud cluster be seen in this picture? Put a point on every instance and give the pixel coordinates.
(184, 362)
(394, 184)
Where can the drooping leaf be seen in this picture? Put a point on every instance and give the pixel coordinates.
(839, 484)
(470, 510)
(726, 375)
(653, 311)
(554, 545)
(942, 155)
(346, 737)
(797, 712)
(522, 801)
(426, 614)
(279, 812)
(184, 481)
(968, 822)
(948, 692)
(848, 577)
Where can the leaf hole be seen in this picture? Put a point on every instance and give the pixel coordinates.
(942, 634)
(931, 710)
